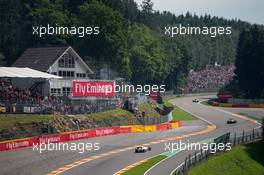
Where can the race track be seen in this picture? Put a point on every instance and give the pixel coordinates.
(27, 161)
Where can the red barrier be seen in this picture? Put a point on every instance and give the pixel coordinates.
(70, 136)
(63, 137)
(164, 126)
(80, 135)
(16, 144)
(180, 123)
(124, 130)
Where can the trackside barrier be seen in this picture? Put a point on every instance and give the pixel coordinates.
(151, 128)
(84, 134)
(238, 105)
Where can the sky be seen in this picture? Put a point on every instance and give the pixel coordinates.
(247, 10)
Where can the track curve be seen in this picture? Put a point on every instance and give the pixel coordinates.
(26, 161)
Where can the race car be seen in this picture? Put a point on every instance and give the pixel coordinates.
(231, 121)
(142, 149)
(195, 100)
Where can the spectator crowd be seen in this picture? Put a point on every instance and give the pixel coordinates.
(210, 78)
(25, 100)
(12, 95)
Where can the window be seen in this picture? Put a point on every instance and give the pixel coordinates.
(66, 74)
(61, 62)
(67, 61)
(66, 91)
(81, 75)
(55, 91)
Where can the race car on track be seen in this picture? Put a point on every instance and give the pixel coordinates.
(142, 149)
(195, 100)
(231, 121)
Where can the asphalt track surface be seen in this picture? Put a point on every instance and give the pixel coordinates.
(27, 161)
(255, 112)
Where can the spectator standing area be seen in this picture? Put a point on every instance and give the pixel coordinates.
(211, 78)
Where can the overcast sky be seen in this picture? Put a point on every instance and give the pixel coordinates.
(246, 10)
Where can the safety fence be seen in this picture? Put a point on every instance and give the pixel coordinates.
(197, 157)
(84, 134)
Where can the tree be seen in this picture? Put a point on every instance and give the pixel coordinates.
(147, 57)
(2, 60)
(250, 61)
(147, 6)
(11, 29)
(147, 13)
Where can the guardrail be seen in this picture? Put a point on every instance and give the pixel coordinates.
(197, 157)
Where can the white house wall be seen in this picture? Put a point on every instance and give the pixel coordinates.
(79, 67)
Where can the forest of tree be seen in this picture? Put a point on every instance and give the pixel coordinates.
(131, 37)
(249, 74)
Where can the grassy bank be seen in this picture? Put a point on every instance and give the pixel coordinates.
(10, 120)
(110, 117)
(15, 126)
(241, 160)
(179, 114)
(148, 109)
(142, 168)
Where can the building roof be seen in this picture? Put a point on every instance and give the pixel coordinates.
(39, 58)
(14, 72)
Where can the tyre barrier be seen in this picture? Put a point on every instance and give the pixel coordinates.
(83, 134)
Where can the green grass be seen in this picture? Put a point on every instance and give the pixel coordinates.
(167, 104)
(142, 168)
(179, 114)
(166, 99)
(9, 120)
(118, 113)
(241, 160)
(111, 117)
